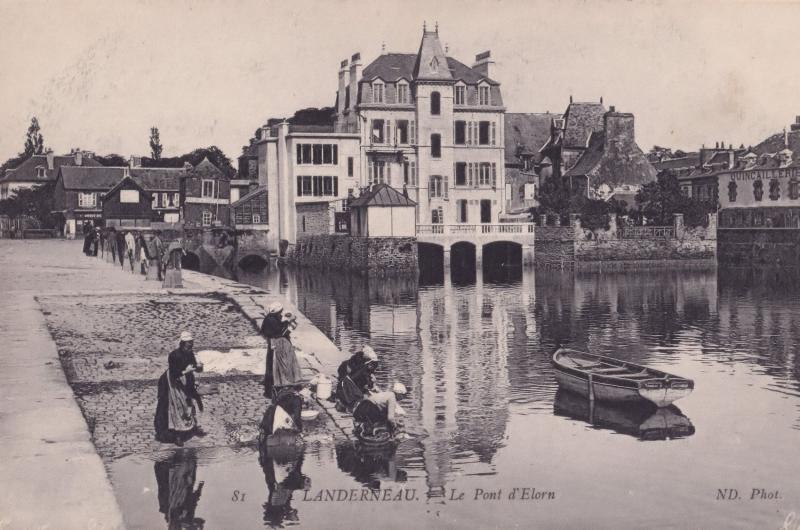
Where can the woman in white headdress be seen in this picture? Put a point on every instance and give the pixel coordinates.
(178, 400)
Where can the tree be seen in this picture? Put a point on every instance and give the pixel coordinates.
(35, 203)
(213, 153)
(658, 201)
(34, 141)
(112, 160)
(155, 144)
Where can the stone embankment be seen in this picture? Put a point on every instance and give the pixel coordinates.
(372, 256)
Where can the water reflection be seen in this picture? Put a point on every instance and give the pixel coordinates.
(177, 496)
(282, 466)
(640, 420)
(370, 466)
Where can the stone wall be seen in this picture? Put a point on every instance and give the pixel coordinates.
(313, 218)
(371, 256)
(574, 246)
(757, 247)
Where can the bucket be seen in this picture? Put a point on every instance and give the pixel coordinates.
(324, 388)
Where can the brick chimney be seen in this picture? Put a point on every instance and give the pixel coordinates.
(50, 160)
(484, 64)
(78, 157)
(796, 125)
(355, 76)
(619, 129)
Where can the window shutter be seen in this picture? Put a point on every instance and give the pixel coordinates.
(389, 174)
(336, 186)
(371, 171)
(413, 132)
(493, 133)
(413, 173)
(431, 187)
(388, 131)
(455, 172)
(299, 155)
(299, 186)
(371, 132)
(494, 175)
(469, 174)
(446, 185)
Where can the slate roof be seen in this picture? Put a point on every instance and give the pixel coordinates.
(255, 193)
(207, 169)
(692, 160)
(589, 159)
(26, 172)
(608, 165)
(382, 195)
(775, 143)
(580, 120)
(124, 181)
(104, 178)
(391, 67)
(526, 133)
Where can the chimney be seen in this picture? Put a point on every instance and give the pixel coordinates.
(50, 160)
(612, 108)
(796, 125)
(484, 64)
(342, 92)
(78, 157)
(619, 129)
(135, 161)
(355, 76)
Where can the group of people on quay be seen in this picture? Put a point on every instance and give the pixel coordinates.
(156, 258)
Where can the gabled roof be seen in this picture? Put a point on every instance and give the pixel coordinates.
(104, 178)
(261, 190)
(26, 172)
(526, 133)
(126, 181)
(431, 62)
(382, 195)
(614, 164)
(391, 67)
(580, 120)
(206, 169)
(589, 158)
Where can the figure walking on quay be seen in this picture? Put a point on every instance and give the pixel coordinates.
(178, 399)
(156, 252)
(130, 248)
(144, 258)
(120, 237)
(172, 275)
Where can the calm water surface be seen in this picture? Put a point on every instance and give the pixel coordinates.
(484, 411)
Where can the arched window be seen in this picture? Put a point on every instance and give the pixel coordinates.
(731, 191)
(758, 190)
(774, 189)
(436, 103)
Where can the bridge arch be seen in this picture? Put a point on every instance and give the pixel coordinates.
(253, 262)
(431, 262)
(190, 261)
(502, 261)
(463, 264)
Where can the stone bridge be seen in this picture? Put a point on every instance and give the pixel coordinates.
(479, 238)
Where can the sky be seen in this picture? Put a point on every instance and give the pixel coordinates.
(99, 74)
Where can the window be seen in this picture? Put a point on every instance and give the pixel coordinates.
(165, 200)
(461, 173)
(461, 95)
(413, 132)
(402, 132)
(129, 196)
(483, 133)
(377, 92)
(317, 154)
(410, 173)
(484, 173)
(40, 172)
(774, 190)
(794, 189)
(461, 211)
(460, 133)
(208, 188)
(207, 218)
(377, 132)
(176, 197)
(437, 216)
(256, 218)
(483, 95)
(437, 187)
(349, 166)
(436, 103)
(758, 190)
(436, 146)
(252, 168)
(379, 172)
(317, 185)
(402, 93)
(87, 200)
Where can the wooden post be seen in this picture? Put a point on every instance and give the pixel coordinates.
(591, 388)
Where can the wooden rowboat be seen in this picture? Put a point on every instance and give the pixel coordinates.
(608, 379)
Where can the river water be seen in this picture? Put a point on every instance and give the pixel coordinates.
(486, 420)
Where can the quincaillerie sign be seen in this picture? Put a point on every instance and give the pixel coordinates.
(763, 174)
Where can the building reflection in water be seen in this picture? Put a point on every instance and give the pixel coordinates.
(640, 420)
(282, 466)
(177, 496)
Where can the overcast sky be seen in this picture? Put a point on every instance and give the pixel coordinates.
(99, 74)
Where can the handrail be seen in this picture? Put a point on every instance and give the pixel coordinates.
(483, 228)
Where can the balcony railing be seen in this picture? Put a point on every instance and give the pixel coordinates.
(647, 232)
(482, 229)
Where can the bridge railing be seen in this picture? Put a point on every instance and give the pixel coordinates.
(482, 229)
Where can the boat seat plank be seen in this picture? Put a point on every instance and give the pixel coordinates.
(610, 370)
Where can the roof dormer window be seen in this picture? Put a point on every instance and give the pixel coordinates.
(377, 91)
(484, 97)
(402, 92)
(461, 94)
(40, 172)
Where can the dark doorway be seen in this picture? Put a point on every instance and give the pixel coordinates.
(486, 211)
